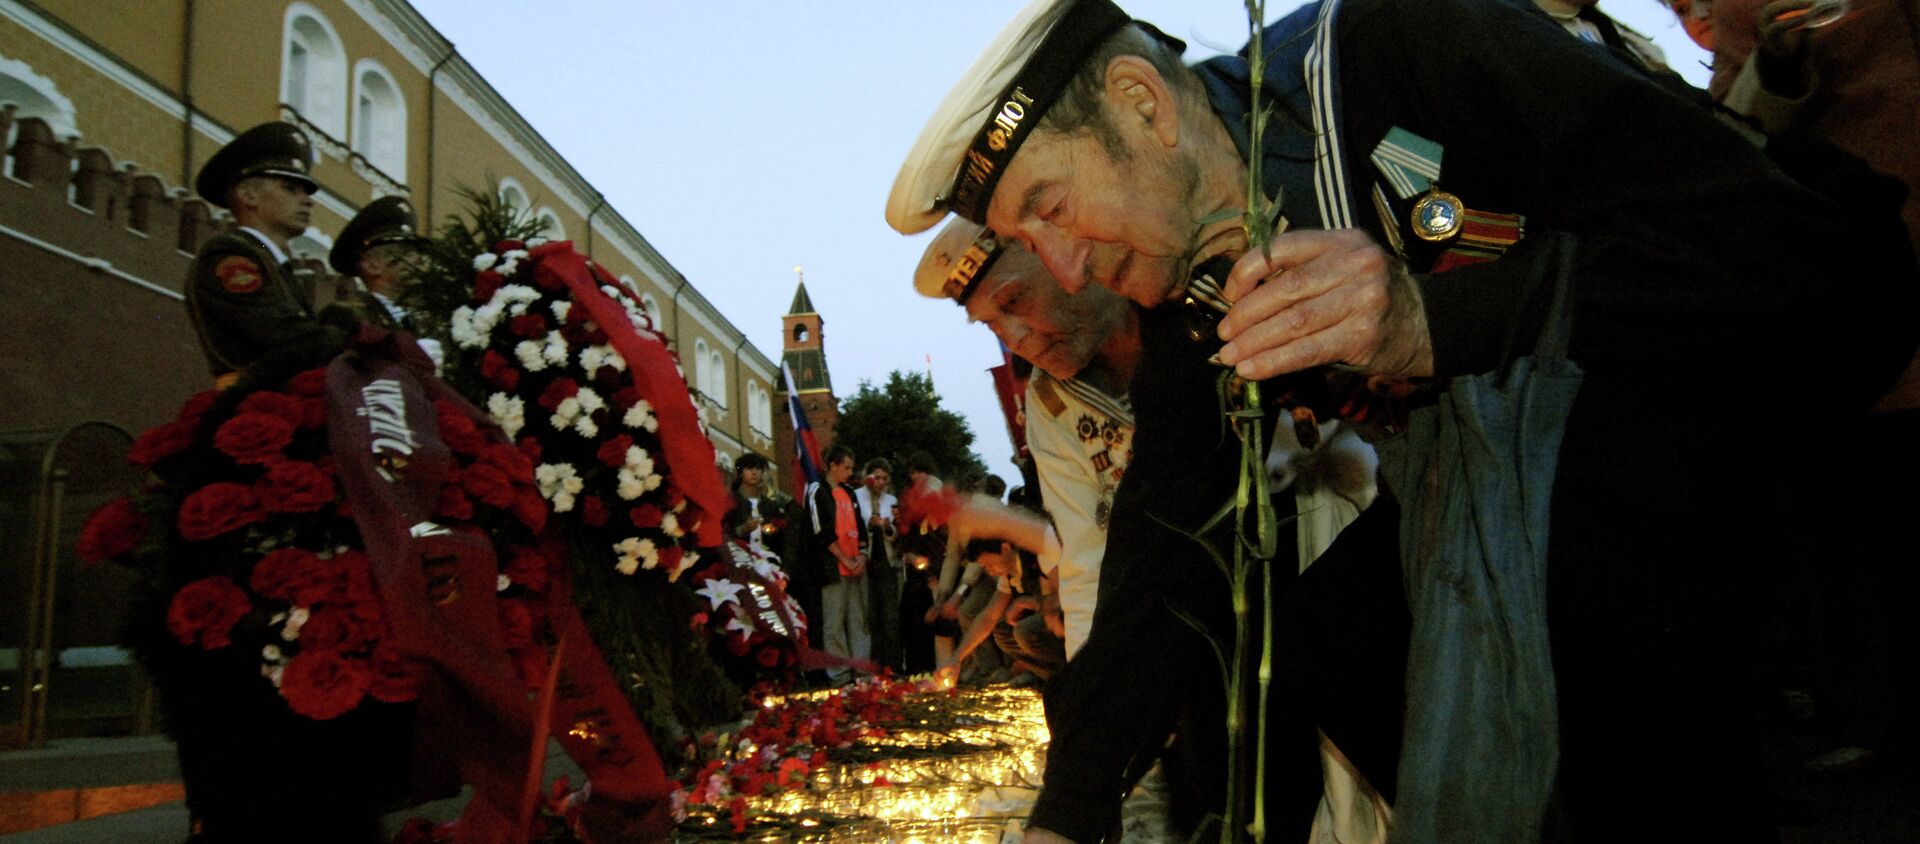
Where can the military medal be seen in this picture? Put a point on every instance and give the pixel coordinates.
(1437, 216)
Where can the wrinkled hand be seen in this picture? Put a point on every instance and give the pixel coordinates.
(1324, 297)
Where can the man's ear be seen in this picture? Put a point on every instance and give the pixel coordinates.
(1137, 92)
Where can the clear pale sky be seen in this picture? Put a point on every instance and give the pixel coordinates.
(746, 138)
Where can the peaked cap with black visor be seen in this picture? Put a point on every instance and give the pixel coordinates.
(389, 219)
(269, 149)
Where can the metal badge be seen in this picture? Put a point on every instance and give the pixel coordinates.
(1437, 217)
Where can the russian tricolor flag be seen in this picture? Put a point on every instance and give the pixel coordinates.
(805, 447)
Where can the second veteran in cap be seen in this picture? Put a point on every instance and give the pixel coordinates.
(1079, 425)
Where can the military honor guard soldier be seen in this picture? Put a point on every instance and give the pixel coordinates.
(379, 246)
(240, 293)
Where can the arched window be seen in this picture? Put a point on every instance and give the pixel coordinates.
(553, 230)
(654, 313)
(313, 70)
(34, 95)
(716, 378)
(513, 195)
(800, 333)
(759, 409)
(379, 119)
(698, 378)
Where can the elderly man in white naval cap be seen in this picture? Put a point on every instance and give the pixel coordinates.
(1436, 161)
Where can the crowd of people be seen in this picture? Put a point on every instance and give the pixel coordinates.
(978, 611)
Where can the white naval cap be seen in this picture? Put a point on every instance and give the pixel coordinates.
(965, 147)
(957, 259)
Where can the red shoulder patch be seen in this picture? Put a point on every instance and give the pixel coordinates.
(238, 274)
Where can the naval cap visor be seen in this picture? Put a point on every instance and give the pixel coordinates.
(973, 135)
(959, 278)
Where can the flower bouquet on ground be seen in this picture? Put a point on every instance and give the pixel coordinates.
(566, 362)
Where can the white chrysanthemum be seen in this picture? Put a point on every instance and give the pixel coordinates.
(487, 316)
(272, 653)
(274, 673)
(630, 486)
(590, 401)
(640, 415)
(509, 267)
(514, 254)
(508, 412)
(653, 482)
(670, 524)
(536, 241)
(634, 552)
(517, 309)
(639, 461)
(529, 354)
(556, 350)
(586, 426)
(561, 309)
(484, 261)
(562, 502)
(614, 359)
(461, 326)
(591, 359)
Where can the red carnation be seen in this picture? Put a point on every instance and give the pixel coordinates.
(218, 508)
(489, 485)
(593, 512)
(485, 284)
(530, 326)
(645, 516)
(613, 452)
(508, 246)
(530, 509)
(509, 460)
(528, 568)
(396, 679)
(161, 442)
(531, 448)
(295, 575)
(767, 657)
(283, 405)
(197, 405)
(323, 684)
(253, 437)
(560, 390)
(457, 429)
(499, 372)
(334, 627)
(697, 621)
(454, 503)
(311, 383)
(548, 277)
(205, 611)
(111, 531)
(354, 584)
(293, 486)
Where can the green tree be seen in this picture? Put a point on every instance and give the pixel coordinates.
(901, 418)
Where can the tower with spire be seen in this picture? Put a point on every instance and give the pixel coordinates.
(804, 354)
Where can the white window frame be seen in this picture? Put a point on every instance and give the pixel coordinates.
(387, 148)
(555, 229)
(324, 100)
